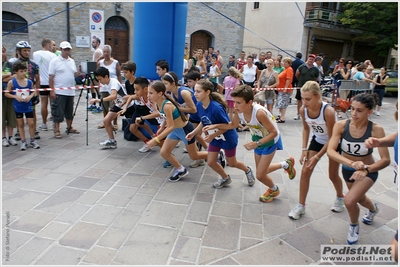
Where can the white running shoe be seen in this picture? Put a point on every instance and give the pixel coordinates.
(43, 127)
(197, 163)
(297, 212)
(5, 142)
(144, 149)
(338, 206)
(352, 236)
(12, 141)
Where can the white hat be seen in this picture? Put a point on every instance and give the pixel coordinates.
(65, 45)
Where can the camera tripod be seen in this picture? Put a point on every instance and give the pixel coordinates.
(89, 81)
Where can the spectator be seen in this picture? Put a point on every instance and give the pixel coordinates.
(24, 51)
(306, 72)
(186, 52)
(380, 86)
(9, 121)
(220, 61)
(240, 62)
(261, 62)
(318, 64)
(62, 73)
(22, 102)
(296, 63)
(43, 58)
(285, 84)
(214, 70)
(278, 66)
(250, 72)
(97, 55)
(231, 62)
(268, 79)
(114, 69)
(200, 63)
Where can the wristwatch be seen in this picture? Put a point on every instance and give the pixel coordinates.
(258, 143)
(366, 168)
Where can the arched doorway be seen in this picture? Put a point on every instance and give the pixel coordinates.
(117, 36)
(200, 40)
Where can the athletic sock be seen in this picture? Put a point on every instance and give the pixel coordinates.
(181, 169)
(274, 188)
(284, 165)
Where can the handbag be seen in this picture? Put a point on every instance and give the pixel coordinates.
(259, 97)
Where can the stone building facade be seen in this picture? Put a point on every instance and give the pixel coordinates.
(50, 19)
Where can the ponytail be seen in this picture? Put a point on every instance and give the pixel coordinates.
(207, 85)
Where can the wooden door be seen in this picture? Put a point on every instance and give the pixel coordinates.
(119, 42)
(117, 36)
(199, 40)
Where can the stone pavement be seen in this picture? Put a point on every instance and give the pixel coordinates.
(68, 203)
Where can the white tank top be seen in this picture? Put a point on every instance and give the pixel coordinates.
(112, 68)
(249, 74)
(257, 130)
(318, 125)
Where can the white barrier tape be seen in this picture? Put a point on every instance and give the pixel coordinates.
(53, 89)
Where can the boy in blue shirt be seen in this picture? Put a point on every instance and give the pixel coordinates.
(19, 88)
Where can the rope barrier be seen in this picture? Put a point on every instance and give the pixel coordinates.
(85, 87)
(53, 89)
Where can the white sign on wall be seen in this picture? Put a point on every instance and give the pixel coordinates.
(83, 41)
(96, 20)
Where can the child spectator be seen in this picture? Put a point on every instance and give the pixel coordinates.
(19, 89)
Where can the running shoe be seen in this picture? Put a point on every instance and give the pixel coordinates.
(34, 144)
(178, 175)
(291, 171)
(5, 142)
(17, 136)
(269, 195)
(250, 177)
(221, 158)
(24, 146)
(338, 206)
(352, 236)
(12, 141)
(37, 134)
(197, 163)
(167, 164)
(369, 215)
(92, 107)
(43, 127)
(297, 212)
(222, 182)
(109, 144)
(144, 149)
(97, 110)
(297, 117)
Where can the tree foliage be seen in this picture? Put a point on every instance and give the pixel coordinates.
(377, 20)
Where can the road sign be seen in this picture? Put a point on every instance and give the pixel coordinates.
(96, 20)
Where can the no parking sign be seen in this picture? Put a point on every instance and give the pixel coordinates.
(96, 20)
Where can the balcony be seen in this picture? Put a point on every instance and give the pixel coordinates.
(326, 19)
(322, 15)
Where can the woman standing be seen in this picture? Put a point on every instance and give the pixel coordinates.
(278, 66)
(114, 68)
(359, 168)
(200, 62)
(285, 83)
(268, 79)
(250, 72)
(380, 86)
(318, 117)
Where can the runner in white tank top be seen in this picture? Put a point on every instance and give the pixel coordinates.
(265, 138)
(318, 125)
(318, 117)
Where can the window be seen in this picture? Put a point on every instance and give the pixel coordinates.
(256, 5)
(12, 21)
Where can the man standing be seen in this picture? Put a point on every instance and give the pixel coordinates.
(318, 64)
(97, 55)
(43, 58)
(62, 73)
(24, 51)
(240, 62)
(295, 65)
(261, 62)
(54, 48)
(306, 72)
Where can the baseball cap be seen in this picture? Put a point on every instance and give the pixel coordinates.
(312, 55)
(65, 45)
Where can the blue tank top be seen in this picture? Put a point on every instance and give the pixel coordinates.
(22, 91)
(175, 114)
(182, 103)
